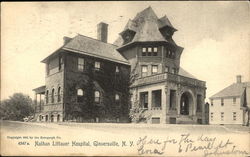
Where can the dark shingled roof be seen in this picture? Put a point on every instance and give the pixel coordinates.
(93, 47)
(146, 26)
(235, 89)
(89, 46)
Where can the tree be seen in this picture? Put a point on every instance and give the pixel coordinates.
(138, 114)
(16, 107)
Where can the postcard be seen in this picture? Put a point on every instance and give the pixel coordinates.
(123, 78)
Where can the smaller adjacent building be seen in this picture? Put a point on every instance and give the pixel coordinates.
(231, 105)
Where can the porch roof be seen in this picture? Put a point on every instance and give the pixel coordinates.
(39, 90)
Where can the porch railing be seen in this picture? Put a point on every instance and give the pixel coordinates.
(168, 77)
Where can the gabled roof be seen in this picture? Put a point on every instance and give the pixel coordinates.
(235, 89)
(146, 26)
(93, 47)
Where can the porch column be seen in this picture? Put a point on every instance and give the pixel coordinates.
(40, 103)
(203, 109)
(164, 104)
(194, 105)
(178, 102)
(167, 100)
(149, 99)
(35, 102)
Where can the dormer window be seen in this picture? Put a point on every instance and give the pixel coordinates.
(128, 36)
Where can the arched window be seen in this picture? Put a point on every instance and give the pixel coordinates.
(52, 95)
(59, 94)
(47, 96)
(97, 96)
(117, 97)
(79, 92)
(80, 95)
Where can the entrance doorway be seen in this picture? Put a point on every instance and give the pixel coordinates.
(186, 102)
(52, 118)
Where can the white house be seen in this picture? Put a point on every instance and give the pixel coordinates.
(231, 105)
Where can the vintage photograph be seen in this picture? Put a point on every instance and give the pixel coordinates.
(123, 78)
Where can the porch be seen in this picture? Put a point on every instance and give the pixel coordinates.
(39, 103)
(172, 98)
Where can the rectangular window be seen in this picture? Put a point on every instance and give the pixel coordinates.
(156, 120)
(80, 64)
(212, 104)
(149, 51)
(154, 69)
(211, 116)
(222, 116)
(234, 116)
(222, 102)
(117, 70)
(97, 97)
(97, 65)
(144, 70)
(144, 51)
(155, 51)
(234, 100)
(145, 101)
(167, 69)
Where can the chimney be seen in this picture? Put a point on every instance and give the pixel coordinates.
(238, 78)
(102, 32)
(66, 40)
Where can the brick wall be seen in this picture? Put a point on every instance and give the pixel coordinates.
(105, 80)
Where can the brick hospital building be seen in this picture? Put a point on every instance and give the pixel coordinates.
(90, 80)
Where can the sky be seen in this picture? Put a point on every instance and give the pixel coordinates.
(215, 36)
